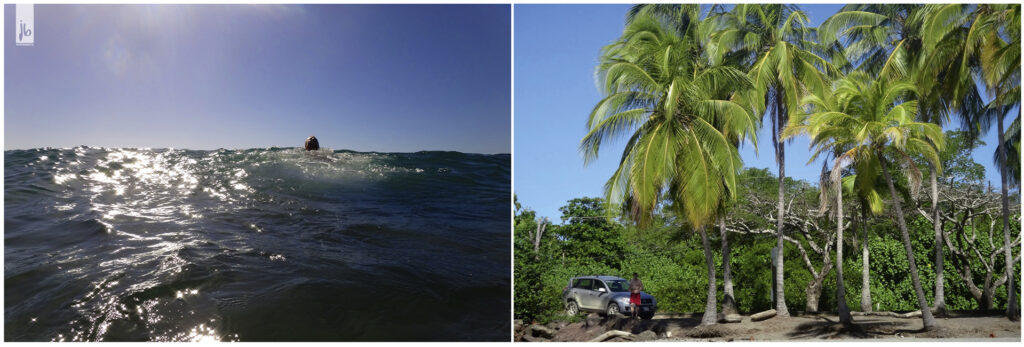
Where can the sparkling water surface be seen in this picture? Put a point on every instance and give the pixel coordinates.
(255, 245)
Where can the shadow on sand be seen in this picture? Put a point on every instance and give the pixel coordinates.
(861, 328)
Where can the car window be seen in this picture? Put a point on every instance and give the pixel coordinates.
(598, 284)
(583, 283)
(618, 286)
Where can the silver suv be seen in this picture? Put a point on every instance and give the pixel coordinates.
(608, 294)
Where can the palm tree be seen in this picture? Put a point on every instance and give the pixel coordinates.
(871, 120)
(865, 274)
(883, 39)
(1001, 72)
(902, 41)
(674, 105)
(967, 43)
(947, 73)
(989, 47)
(836, 181)
(775, 45)
(1011, 143)
(821, 104)
(871, 204)
(728, 295)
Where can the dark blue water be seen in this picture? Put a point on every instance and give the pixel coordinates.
(255, 245)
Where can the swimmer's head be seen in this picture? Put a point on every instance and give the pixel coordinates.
(312, 144)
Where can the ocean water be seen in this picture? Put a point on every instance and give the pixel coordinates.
(255, 245)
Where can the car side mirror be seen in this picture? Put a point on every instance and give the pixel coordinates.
(601, 290)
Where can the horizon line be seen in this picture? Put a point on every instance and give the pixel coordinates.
(235, 149)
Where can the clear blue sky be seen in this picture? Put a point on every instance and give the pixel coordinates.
(395, 78)
(556, 51)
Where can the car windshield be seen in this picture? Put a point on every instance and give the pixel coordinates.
(618, 285)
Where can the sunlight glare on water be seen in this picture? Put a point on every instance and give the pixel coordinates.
(108, 244)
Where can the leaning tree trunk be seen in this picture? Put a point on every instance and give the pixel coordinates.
(1012, 309)
(865, 274)
(780, 157)
(940, 296)
(926, 313)
(844, 311)
(710, 307)
(728, 299)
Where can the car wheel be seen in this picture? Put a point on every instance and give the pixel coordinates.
(613, 310)
(572, 309)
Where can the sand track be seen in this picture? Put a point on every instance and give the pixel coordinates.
(684, 327)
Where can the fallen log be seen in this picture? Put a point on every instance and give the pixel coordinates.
(762, 315)
(915, 314)
(610, 334)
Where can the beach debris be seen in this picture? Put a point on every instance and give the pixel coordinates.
(537, 330)
(914, 314)
(647, 335)
(763, 315)
(556, 325)
(592, 319)
(708, 331)
(731, 318)
(610, 334)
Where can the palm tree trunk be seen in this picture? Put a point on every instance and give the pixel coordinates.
(926, 313)
(710, 307)
(728, 300)
(1012, 308)
(844, 311)
(940, 296)
(865, 274)
(780, 157)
